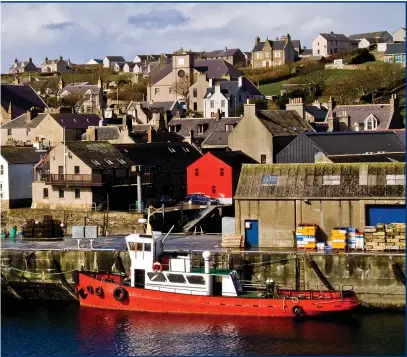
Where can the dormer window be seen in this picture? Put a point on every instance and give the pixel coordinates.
(202, 128)
(371, 122)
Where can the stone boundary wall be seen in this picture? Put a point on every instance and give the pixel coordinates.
(116, 223)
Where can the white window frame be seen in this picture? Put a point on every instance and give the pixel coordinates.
(277, 54)
(370, 123)
(181, 61)
(157, 91)
(212, 104)
(258, 55)
(395, 180)
(269, 180)
(222, 103)
(331, 180)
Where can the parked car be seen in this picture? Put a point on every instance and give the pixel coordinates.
(198, 198)
(165, 200)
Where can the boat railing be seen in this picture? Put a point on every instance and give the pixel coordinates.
(248, 284)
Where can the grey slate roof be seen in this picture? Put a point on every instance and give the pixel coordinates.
(307, 52)
(20, 155)
(21, 122)
(234, 159)
(231, 88)
(318, 113)
(107, 133)
(395, 48)
(80, 89)
(216, 138)
(22, 98)
(192, 124)
(213, 68)
(221, 53)
(76, 121)
(96, 153)
(356, 142)
(305, 181)
(372, 35)
(116, 58)
(283, 122)
(275, 45)
(358, 113)
(401, 134)
(334, 36)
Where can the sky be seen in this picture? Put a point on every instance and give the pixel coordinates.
(81, 31)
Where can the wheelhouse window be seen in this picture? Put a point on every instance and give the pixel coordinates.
(331, 180)
(157, 277)
(139, 247)
(196, 279)
(269, 180)
(147, 247)
(176, 278)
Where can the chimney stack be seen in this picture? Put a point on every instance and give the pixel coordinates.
(256, 40)
(297, 105)
(29, 116)
(287, 38)
(15, 60)
(150, 135)
(332, 120)
(249, 110)
(210, 82)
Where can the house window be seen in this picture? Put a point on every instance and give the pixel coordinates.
(195, 92)
(8, 132)
(196, 172)
(181, 61)
(263, 159)
(331, 180)
(229, 127)
(222, 171)
(76, 170)
(61, 193)
(195, 106)
(269, 180)
(45, 193)
(266, 54)
(28, 131)
(202, 128)
(171, 90)
(157, 91)
(396, 180)
(370, 122)
(77, 193)
(213, 189)
(222, 103)
(258, 55)
(1, 170)
(318, 51)
(277, 54)
(335, 50)
(212, 104)
(397, 59)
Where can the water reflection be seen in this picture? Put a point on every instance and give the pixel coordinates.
(135, 333)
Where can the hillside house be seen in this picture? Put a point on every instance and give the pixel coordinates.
(231, 55)
(399, 35)
(110, 61)
(23, 67)
(273, 53)
(56, 65)
(326, 44)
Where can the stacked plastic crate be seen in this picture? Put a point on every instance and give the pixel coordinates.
(339, 237)
(306, 236)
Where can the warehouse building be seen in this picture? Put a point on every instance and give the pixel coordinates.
(271, 200)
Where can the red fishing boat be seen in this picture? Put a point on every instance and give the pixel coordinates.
(161, 282)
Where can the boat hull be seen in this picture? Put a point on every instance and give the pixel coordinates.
(139, 299)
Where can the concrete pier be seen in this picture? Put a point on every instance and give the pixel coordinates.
(31, 269)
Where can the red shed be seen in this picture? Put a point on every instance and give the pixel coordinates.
(216, 174)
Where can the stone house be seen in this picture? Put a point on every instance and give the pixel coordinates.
(326, 44)
(331, 116)
(372, 146)
(110, 61)
(395, 53)
(368, 39)
(227, 96)
(231, 55)
(183, 71)
(19, 131)
(16, 175)
(261, 134)
(329, 195)
(54, 128)
(399, 35)
(23, 67)
(17, 100)
(56, 65)
(80, 175)
(273, 53)
(93, 100)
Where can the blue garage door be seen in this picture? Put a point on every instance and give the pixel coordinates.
(252, 232)
(385, 214)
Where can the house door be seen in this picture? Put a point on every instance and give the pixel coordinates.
(252, 232)
(60, 172)
(267, 64)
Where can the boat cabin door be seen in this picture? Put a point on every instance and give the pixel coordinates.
(139, 278)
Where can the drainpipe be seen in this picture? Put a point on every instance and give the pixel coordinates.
(139, 191)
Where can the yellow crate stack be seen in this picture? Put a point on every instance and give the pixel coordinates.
(306, 236)
(339, 238)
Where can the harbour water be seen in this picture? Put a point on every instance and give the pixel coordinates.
(62, 330)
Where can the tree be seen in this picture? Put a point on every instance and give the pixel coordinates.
(181, 87)
(73, 101)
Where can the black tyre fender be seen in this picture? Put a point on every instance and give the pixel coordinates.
(99, 291)
(89, 288)
(120, 294)
(297, 310)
